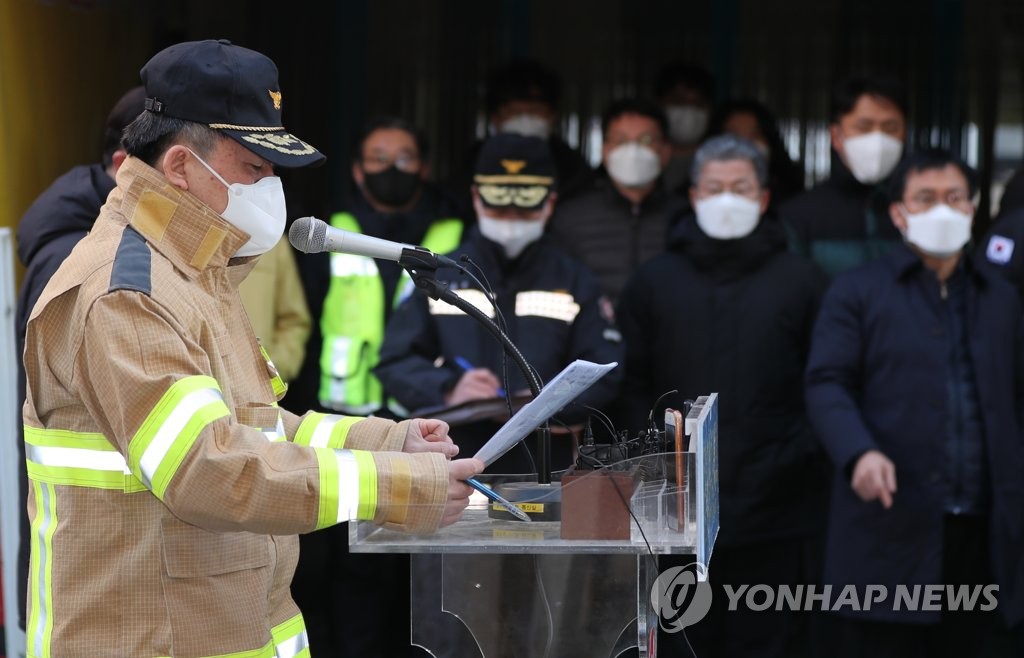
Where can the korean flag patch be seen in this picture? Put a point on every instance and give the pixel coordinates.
(999, 250)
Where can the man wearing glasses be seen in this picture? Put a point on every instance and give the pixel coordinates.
(353, 296)
(915, 385)
(622, 221)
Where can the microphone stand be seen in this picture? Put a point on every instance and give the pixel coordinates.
(422, 270)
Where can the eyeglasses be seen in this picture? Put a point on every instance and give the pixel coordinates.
(745, 188)
(928, 199)
(407, 162)
(647, 139)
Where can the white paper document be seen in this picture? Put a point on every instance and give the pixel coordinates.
(565, 387)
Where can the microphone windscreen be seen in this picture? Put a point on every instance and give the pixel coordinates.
(308, 235)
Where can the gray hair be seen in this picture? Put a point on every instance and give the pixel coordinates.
(729, 147)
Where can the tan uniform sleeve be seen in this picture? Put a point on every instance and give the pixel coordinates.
(147, 385)
(291, 315)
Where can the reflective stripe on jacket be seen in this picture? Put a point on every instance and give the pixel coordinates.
(352, 323)
(167, 486)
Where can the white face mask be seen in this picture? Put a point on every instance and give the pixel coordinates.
(633, 165)
(686, 123)
(940, 232)
(514, 235)
(258, 209)
(873, 156)
(728, 216)
(527, 125)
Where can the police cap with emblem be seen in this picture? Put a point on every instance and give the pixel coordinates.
(513, 170)
(230, 89)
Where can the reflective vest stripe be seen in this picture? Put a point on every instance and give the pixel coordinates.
(475, 297)
(83, 459)
(40, 614)
(348, 486)
(547, 304)
(352, 321)
(167, 434)
(290, 639)
(325, 430)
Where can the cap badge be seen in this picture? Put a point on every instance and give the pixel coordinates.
(513, 167)
(276, 97)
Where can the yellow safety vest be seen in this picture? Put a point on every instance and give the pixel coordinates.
(352, 322)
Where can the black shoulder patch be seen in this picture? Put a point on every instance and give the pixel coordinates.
(132, 264)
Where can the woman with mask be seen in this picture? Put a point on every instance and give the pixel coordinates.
(729, 309)
(434, 355)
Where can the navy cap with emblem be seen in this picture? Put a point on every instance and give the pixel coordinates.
(514, 170)
(229, 88)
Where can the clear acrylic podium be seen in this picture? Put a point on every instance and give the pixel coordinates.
(493, 588)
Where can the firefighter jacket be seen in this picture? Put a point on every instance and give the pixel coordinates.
(352, 323)
(166, 485)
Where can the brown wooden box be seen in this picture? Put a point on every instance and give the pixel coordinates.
(595, 504)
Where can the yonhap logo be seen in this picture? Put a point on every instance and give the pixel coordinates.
(681, 596)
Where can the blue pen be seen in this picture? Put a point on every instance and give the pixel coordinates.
(493, 495)
(466, 365)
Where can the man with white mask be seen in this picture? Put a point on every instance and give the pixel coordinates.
(685, 92)
(843, 221)
(521, 98)
(433, 354)
(157, 452)
(728, 308)
(623, 219)
(915, 387)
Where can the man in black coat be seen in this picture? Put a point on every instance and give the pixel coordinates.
(729, 310)
(915, 385)
(433, 354)
(51, 227)
(844, 220)
(622, 218)
(1003, 248)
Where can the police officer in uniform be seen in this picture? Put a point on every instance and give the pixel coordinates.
(433, 354)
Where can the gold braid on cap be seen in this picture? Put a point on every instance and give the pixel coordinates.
(231, 126)
(506, 179)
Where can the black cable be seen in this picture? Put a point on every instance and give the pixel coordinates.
(488, 291)
(650, 415)
(605, 420)
(498, 315)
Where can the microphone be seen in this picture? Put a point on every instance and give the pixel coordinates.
(311, 236)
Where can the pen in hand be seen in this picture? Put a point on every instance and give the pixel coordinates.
(493, 495)
(463, 363)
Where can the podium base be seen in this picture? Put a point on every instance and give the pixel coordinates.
(542, 502)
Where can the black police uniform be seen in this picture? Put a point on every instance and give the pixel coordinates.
(550, 330)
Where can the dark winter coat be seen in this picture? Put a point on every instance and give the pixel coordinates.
(734, 317)
(878, 380)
